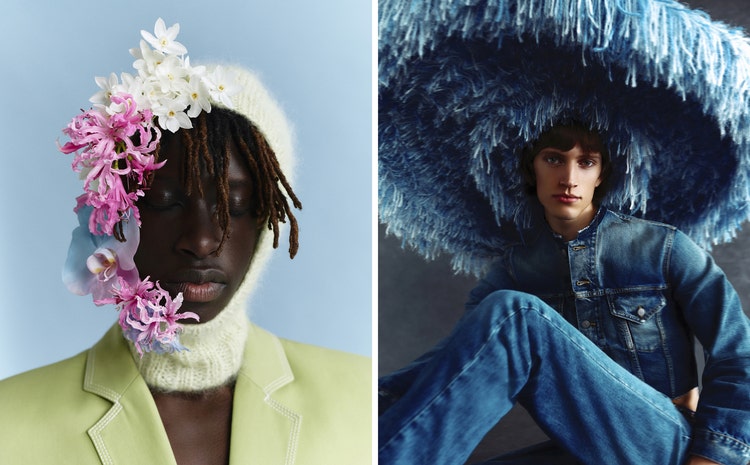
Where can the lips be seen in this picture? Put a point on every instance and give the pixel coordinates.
(196, 285)
(564, 198)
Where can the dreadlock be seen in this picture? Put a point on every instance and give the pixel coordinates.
(208, 146)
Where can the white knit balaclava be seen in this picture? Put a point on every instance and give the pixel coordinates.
(215, 348)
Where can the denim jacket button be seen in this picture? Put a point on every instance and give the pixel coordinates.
(641, 312)
(585, 324)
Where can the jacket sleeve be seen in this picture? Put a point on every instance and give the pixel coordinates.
(714, 313)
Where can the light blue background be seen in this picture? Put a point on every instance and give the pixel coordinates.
(316, 58)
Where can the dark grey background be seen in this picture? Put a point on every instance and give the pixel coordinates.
(418, 302)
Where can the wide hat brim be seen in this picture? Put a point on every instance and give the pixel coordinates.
(464, 86)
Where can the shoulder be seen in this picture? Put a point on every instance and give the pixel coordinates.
(310, 376)
(327, 380)
(48, 402)
(324, 356)
(328, 368)
(57, 378)
(332, 391)
(616, 218)
(643, 236)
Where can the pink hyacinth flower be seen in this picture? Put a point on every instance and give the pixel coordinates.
(115, 150)
(149, 317)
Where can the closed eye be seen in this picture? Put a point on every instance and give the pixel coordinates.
(162, 200)
(241, 199)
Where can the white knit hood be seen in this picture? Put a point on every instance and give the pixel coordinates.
(215, 348)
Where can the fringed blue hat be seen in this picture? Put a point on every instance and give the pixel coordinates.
(465, 85)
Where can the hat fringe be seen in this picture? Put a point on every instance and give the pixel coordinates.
(453, 115)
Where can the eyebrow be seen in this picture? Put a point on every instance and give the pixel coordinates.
(590, 153)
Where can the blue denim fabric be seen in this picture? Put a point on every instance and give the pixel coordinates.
(513, 347)
(635, 291)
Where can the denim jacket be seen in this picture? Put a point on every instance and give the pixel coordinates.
(641, 291)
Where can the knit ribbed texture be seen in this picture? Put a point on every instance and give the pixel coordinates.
(213, 359)
(465, 85)
(215, 348)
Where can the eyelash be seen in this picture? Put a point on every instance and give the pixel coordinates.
(585, 163)
(163, 203)
(237, 205)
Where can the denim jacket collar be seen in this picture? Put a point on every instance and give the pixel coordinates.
(538, 225)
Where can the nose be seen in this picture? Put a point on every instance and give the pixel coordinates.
(201, 235)
(568, 176)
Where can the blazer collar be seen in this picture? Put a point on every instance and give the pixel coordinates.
(131, 430)
(267, 430)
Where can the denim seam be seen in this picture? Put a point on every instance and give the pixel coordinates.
(495, 330)
(729, 440)
(668, 246)
(612, 374)
(667, 355)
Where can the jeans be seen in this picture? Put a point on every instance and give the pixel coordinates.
(514, 347)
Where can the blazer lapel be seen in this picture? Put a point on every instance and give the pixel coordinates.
(131, 430)
(264, 430)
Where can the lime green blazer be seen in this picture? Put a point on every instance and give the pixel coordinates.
(293, 404)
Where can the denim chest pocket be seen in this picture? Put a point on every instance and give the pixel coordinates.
(637, 319)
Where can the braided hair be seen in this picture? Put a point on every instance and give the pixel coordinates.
(208, 146)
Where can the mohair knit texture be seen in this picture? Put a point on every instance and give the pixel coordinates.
(215, 348)
(465, 85)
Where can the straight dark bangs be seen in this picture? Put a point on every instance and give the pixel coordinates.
(566, 137)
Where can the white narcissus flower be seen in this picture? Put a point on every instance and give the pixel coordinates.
(163, 95)
(108, 87)
(194, 70)
(163, 39)
(166, 83)
(199, 96)
(153, 93)
(172, 75)
(223, 85)
(147, 59)
(171, 114)
(134, 86)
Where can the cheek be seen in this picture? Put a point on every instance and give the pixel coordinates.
(543, 177)
(240, 246)
(154, 234)
(157, 240)
(594, 179)
(544, 174)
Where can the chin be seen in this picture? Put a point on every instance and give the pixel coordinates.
(205, 313)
